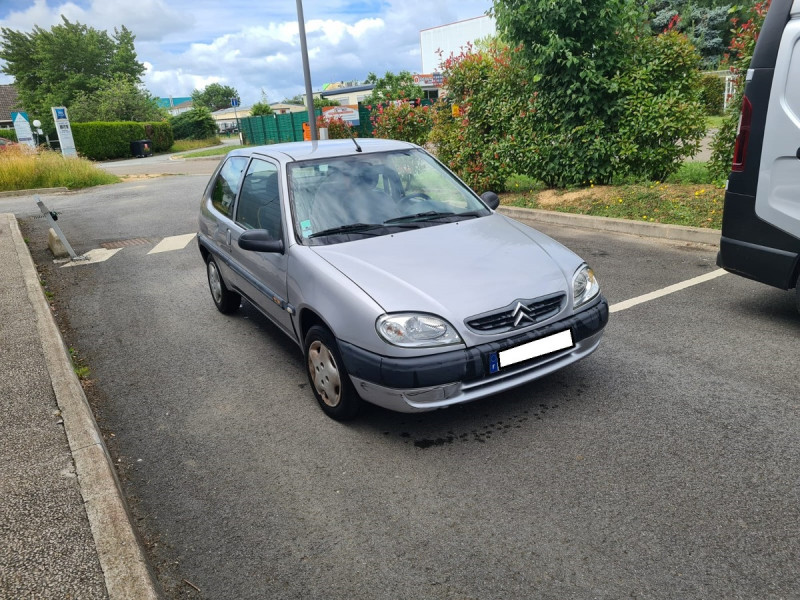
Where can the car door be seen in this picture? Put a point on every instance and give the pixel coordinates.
(220, 204)
(778, 194)
(263, 273)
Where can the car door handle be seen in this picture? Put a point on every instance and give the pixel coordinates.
(228, 237)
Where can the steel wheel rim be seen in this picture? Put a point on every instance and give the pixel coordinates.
(324, 373)
(214, 282)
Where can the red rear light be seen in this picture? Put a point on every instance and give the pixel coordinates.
(743, 137)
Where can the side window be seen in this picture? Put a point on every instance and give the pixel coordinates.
(227, 183)
(259, 203)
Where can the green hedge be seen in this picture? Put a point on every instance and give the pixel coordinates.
(104, 140)
(712, 94)
(9, 134)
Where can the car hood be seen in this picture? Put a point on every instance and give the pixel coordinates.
(456, 270)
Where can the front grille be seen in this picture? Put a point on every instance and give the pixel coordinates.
(535, 311)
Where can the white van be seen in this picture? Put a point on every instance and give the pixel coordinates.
(761, 222)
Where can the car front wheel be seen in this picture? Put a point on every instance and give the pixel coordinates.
(225, 300)
(328, 377)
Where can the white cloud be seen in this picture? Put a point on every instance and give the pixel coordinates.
(254, 46)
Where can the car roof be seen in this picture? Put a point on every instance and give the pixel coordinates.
(323, 149)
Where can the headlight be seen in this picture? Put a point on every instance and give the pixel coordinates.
(414, 330)
(584, 286)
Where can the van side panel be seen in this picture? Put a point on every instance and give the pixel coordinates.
(778, 193)
(751, 246)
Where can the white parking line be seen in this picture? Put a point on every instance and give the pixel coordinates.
(175, 242)
(97, 255)
(666, 291)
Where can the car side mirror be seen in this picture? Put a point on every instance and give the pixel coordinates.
(260, 240)
(492, 200)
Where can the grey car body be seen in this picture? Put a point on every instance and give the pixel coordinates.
(500, 295)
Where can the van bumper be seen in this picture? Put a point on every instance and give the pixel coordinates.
(760, 263)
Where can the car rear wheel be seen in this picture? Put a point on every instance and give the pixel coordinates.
(328, 377)
(225, 300)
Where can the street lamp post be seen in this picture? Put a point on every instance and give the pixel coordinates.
(312, 119)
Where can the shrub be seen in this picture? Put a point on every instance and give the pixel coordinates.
(195, 124)
(660, 116)
(402, 120)
(712, 94)
(8, 134)
(338, 129)
(104, 140)
(741, 49)
(489, 136)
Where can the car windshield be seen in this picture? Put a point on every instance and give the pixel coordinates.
(345, 198)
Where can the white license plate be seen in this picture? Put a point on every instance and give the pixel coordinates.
(546, 345)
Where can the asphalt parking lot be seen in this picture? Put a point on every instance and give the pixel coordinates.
(663, 466)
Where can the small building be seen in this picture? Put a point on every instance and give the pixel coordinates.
(439, 43)
(226, 118)
(282, 108)
(183, 107)
(8, 103)
(348, 95)
(172, 101)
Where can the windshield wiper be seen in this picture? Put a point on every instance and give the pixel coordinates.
(430, 215)
(351, 228)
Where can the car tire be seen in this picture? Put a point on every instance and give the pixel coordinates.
(328, 376)
(226, 301)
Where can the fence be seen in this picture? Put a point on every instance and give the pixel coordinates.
(273, 129)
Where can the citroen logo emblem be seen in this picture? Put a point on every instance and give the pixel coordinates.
(520, 313)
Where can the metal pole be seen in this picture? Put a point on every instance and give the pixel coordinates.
(312, 119)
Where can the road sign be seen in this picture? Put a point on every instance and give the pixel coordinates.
(64, 131)
(234, 102)
(22, 127)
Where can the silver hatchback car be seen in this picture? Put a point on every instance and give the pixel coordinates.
(401, 286)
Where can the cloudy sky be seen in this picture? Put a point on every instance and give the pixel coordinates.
(251, 44)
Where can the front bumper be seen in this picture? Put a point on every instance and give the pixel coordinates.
(435, 381)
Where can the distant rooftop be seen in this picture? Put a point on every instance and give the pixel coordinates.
(173, 102)
(8, 102)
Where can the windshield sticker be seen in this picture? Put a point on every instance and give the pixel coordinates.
(305, 228)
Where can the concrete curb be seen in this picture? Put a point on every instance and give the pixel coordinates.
(125, 569)
(679, 233)
(54, 190)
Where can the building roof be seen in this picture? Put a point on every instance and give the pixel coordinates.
(8, 101)
(173, 101)
(348, 90)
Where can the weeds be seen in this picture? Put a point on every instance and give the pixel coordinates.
(81, 370)
(22, 168)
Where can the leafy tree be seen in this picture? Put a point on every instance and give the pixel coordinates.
(195, 124)
(392, 87)
(706, 23)
(260, 108)
(300, 100)
(215, 96)
(53, 67)
(323, 102)
(610, 101)
(119, 99)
